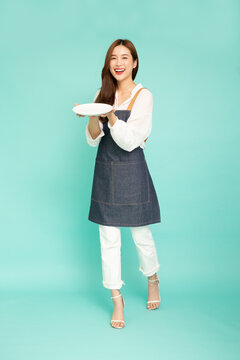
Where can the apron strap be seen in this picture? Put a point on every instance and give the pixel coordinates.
(133, 99)
(132, 102)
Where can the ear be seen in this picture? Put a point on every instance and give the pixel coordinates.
(134, 63)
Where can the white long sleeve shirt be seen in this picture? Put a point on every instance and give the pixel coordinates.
(131, 134)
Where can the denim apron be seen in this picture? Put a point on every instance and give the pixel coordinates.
(123, 193)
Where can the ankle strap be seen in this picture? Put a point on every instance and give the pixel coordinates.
(113, 297)
(154, 280)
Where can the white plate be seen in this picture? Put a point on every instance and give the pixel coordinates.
(92, 109)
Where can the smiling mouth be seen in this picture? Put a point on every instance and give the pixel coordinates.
(119, 72)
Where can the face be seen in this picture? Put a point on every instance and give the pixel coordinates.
(121, 59)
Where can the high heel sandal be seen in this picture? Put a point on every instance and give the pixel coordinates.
(156, 280)
(119, 327)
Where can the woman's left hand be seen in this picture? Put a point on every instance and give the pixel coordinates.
(111, 117)
(109, 113)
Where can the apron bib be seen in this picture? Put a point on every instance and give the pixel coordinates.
(123, 193)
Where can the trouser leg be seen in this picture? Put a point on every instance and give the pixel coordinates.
(110, 241)
(147, 253)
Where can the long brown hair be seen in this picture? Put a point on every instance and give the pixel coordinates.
(109, 83)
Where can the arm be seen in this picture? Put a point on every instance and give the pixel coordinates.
(94, 128)
(131, 134)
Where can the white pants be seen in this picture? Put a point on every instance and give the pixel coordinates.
(110, 241)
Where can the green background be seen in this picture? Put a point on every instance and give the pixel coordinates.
(53, 304)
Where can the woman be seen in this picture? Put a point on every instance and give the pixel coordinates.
(123, 193)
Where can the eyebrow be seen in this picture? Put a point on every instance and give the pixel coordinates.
(122, 55)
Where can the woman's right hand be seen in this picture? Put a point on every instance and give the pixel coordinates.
(79, 114)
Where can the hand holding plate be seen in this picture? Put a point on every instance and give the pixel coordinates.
(79, 114)
(109, 113)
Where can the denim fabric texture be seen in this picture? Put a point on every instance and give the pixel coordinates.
(123, 193)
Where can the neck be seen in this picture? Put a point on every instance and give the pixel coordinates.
(125, 86)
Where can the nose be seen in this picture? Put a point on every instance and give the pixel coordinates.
(118, 62)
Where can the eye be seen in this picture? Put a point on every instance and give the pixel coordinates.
(125, 57)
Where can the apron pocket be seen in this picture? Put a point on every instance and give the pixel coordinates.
(130, 183)
(102, 182)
